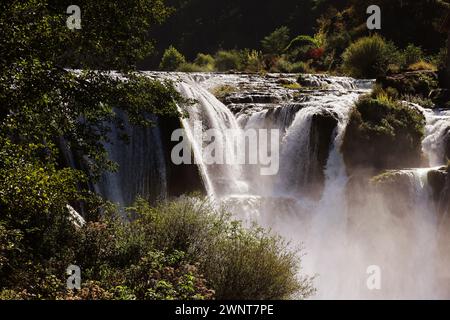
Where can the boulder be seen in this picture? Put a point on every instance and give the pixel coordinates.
(412, 83)
(323, 126)
(437, 181)
(179, 175)
(441, 97)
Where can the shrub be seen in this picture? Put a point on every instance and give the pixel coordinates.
(171, 60)
(421, 65)
(276, 42)
(251, 61)
(282, 65)
(383, 134)
(305, 47)
(204, 60)
(239, 263)
(227, 60)
(440, 59)
(411, 55)
(301, 67)
(285, 66)
(369, 57)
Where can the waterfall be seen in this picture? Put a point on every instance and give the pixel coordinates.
(306, 201)
(213, 115)
(142, 165)
(437, 126)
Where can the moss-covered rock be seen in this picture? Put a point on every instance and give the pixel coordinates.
(396, 183)
(383, 134)
(412, 83)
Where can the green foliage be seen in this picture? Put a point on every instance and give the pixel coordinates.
(251, 61)
(383, 134)
(292, 86)
(440, 59)
(41, 101)
(301, 67)
(223, 91)
(369, 57)
(228, 60)
(172, 59)
(411, 55)
(285, 66)
(277, 41)
(302, 41)
(239, 263)
(422, 65)
(43, 104)
(176, 250)
(202, 63)
(204, 60)
(190, 67)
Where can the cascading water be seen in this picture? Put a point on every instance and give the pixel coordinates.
(306, 201)
(142, 165)
(338, 256)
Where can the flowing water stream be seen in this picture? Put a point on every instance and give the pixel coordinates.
(306, 201)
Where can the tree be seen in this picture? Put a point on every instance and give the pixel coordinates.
(171, 60)
(43, 101)
(277, 41)
(446, 28)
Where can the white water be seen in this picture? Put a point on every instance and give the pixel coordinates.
(337, 252)
(142, 166)
(404, 248)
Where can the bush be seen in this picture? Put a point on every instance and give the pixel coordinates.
(172, 59)
(281, 65)
(369, 57)
(227, 60)
(177, 250)
(421, 65)
(251, 61)
(204, 60)
(383, 134)
(301, 67)
(440, 59)
(285, 66)
(411, 55)
(239, 263)
(276, 42)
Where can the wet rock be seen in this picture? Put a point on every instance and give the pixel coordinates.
(284, 81)
(251, 98)
(177, 175)
(441, 97)
(306, 81)
(437, 180)
(412, 83)
(383, 135)
(446, 144)
(323, 126)
(395, 188)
